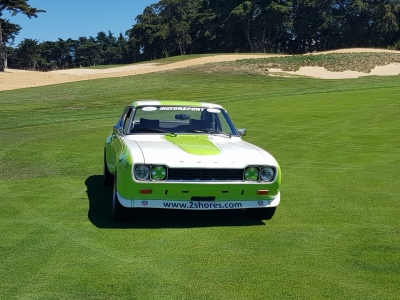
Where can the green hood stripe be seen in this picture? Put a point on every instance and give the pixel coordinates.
(194, 144)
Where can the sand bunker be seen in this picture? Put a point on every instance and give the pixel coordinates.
(322, 73)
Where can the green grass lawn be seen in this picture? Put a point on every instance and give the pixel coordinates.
(335, 235)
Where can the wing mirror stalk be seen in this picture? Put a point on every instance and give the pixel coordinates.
(242, 132)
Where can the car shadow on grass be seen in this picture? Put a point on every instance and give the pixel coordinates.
(100, 206)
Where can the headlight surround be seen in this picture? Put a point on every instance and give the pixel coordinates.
(158, 173)
(267, 174)
(142, 172)
(251, 174)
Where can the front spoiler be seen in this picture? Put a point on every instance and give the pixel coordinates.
(199, 205)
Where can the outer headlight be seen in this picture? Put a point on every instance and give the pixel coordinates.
(142, 172)
(158, 173)
(251, 174)
(267, 174)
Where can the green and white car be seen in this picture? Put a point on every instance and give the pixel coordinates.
(188, 156)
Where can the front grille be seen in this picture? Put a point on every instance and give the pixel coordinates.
(205, 174)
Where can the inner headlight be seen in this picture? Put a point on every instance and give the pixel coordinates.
(251, 174)
(142, 172)
(158, 173)
(267, 174)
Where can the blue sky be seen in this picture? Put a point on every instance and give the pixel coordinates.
(75, 18)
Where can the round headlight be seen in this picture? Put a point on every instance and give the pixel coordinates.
(251, 174)
(142, 172)
(158, 173)
(267, 174)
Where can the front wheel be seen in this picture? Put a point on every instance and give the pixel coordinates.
(120, 212)
(264, 213)
(108, 178)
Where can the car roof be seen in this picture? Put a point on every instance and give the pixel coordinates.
(174, 103)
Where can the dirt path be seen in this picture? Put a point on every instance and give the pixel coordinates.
(16, 79)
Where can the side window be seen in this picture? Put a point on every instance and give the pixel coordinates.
(122, 119)
(127, 120)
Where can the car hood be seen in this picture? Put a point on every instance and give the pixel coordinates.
(196, 151)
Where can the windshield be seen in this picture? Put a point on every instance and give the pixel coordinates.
(181, 119)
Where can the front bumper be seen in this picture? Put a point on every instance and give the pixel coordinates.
(199, 205)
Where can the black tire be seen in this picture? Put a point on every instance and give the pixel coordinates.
(120, 213)
(265, 213)
(108, 178)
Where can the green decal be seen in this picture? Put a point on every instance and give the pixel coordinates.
(251, 174)
(194, 144)
(158, 172)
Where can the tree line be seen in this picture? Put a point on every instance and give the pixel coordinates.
(104, 49)
(179, 27)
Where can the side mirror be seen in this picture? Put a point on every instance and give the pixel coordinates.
(242, 132)
(117, 130)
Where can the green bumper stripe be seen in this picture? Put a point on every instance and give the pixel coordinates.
(194, 144)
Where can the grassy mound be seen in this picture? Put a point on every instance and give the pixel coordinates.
(335, 62)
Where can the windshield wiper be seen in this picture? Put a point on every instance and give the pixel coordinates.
(209, 130)
(153, 130)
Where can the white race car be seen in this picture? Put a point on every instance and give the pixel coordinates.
(189, 156)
